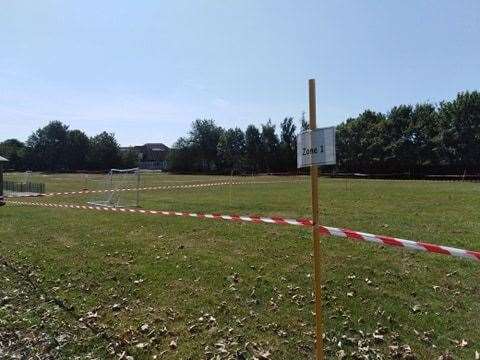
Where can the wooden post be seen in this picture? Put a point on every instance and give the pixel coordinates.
(316, 236)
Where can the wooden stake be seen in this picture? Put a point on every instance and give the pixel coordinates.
(316, 237)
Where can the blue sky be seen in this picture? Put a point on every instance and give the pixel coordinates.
(146, 69)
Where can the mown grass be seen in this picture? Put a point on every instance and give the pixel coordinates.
(255, 280)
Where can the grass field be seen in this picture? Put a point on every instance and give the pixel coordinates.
(88, 284)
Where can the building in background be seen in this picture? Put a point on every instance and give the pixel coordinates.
(151, 156)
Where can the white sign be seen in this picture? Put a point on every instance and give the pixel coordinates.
(316, 147)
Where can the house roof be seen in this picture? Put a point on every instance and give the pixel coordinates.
(147, 146)
(2, 159)
(156, 146)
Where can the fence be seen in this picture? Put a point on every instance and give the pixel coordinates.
(29, 187)
(153, 165)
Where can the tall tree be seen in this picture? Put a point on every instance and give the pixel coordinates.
(303, 123)
(361, 143)
(180, 156)
(130, 159)
(269, 146)
(76, 150)
(426, 137)
(253, 144)
(399, 142)
(104, 152)
(460, 135)
(14, 151)
(288, 144)
(46, 147)
(204, 137)
(231, 150)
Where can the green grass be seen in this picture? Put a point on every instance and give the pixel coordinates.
(255, 280)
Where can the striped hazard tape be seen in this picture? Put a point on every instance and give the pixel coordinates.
(164, 187)
(324, 230)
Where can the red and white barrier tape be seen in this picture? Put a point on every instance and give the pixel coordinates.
(164, 187)
(324, 230)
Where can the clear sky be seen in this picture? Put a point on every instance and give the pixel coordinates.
(146, 69)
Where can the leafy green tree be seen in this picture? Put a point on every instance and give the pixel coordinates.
(76, 150)
(180, 156)
(269, 147)
(460, 135)
(129, 159)
(426, 137)
(253, 144)
(303, 123)
(46, 148)
(343, 139)
(417, 139)
(288, 144)
(204, 138)
(14, 151)
(399, 142)
(104, 152)
(361, 143)
(232, 150)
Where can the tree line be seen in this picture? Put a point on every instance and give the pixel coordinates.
(421, 139)
(416, 139)
(57, 148)
(211, 149)
(409, 139)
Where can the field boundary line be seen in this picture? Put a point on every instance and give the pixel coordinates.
(323, 230)
(149, 188)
